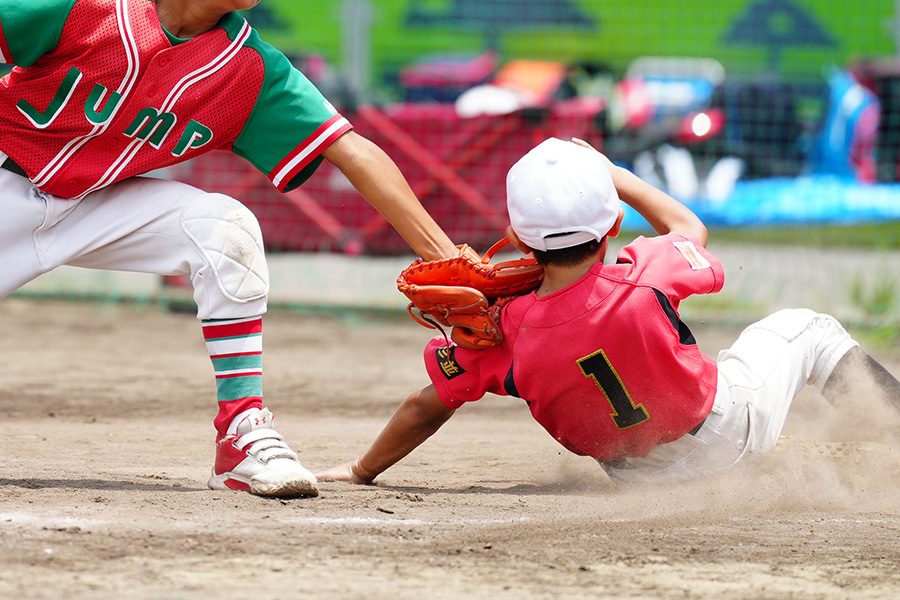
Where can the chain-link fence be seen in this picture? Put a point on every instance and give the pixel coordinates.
(751, 111)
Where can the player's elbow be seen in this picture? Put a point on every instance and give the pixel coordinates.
(692, 227)
(425, 408)
(701, 233)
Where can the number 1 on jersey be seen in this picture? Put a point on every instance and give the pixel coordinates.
(625, 414)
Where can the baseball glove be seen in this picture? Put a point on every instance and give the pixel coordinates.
(465, 293)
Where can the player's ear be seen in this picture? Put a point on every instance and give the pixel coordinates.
(514, 239)
(617, 226)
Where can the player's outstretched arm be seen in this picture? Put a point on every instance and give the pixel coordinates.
(663, 212)
(379, 180)
(420, 415)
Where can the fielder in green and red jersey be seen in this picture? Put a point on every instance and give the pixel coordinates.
(104, 91)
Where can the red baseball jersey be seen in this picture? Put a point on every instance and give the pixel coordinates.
(101, 92)
(606, 365)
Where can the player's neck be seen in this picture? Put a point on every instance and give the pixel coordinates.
(188, 19)
(557, 277)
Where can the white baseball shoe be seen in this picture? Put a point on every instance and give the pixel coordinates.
(256, 459)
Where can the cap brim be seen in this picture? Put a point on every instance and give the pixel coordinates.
(567, 240)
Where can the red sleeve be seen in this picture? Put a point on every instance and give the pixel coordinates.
(463, 375)
(676, 265)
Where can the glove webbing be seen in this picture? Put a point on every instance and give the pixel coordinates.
(423, 319)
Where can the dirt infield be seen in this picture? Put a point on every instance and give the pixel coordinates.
(106, 444)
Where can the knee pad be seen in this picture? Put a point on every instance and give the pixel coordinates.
(230, 240)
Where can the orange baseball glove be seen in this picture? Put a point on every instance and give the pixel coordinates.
(465, 293)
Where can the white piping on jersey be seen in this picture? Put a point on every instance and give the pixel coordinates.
(5, 58)
(131, 54)
(180, 88)
(285, 171)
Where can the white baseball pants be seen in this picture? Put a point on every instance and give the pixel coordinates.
(145, 225)
(759, 376)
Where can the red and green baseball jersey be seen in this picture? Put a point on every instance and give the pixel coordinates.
(101, 92)
(606, 365)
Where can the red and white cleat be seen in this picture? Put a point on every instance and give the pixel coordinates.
(256, 459)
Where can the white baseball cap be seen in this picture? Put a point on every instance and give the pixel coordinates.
(560, 195)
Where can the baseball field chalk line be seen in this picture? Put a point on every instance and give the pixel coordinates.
(31, 519)
(351, 521)
(24, 518)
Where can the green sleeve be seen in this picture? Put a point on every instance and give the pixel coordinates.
(287, 111)
(32, 28)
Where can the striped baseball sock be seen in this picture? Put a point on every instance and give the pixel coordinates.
(235, 347)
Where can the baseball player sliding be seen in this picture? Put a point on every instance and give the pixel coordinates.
(599, 352)
(104, 91)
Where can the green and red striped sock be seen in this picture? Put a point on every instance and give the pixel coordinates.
(235, 347)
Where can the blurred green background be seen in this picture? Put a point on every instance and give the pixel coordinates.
(791, 39)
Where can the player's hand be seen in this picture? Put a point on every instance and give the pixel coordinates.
(584, 144)
(619, 174)
(344, 473)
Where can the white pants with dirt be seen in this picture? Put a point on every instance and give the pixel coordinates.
(145, 225)
(759, 376)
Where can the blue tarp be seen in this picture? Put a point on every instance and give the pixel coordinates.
(795, 201)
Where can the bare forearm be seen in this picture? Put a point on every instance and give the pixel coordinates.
(664, 213)
(415, 421)
(377, 178)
